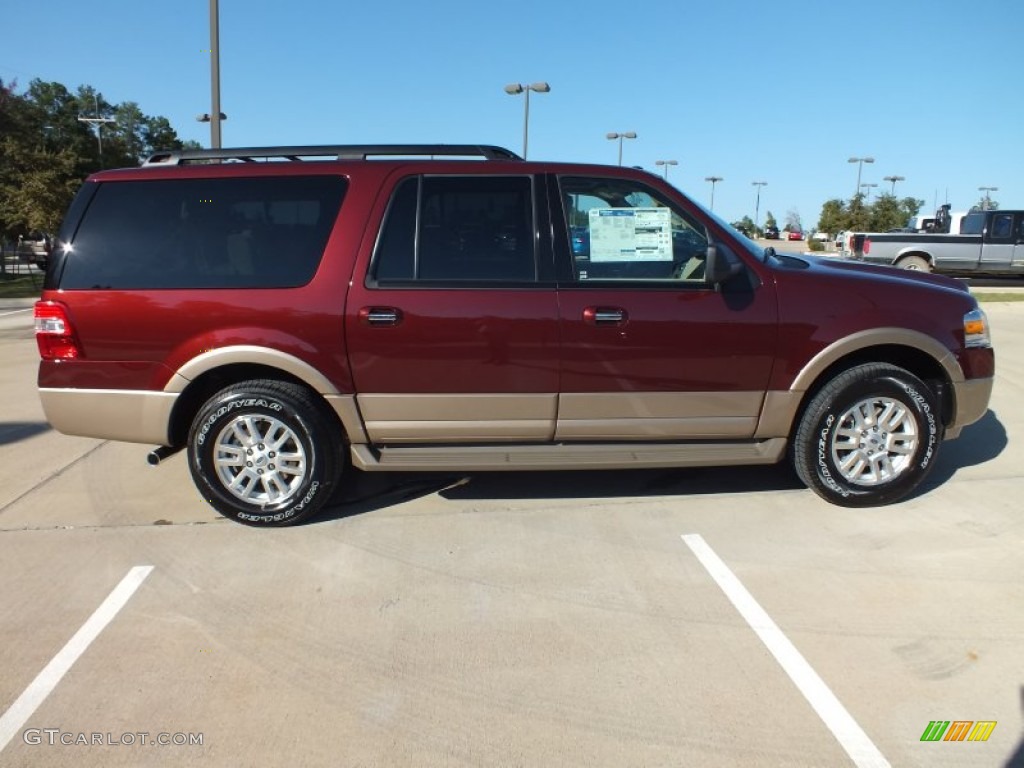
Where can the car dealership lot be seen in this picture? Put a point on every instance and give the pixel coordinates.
(520, 619)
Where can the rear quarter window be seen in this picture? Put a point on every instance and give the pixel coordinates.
(267, 232)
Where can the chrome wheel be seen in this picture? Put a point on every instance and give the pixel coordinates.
(874, 441)
(259, 460)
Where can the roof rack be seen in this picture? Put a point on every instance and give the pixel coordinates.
(329, 152)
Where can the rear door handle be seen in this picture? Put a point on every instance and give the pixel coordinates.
(605, 316)
(380, 316)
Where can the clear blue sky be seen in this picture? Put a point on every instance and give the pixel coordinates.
(783, 92)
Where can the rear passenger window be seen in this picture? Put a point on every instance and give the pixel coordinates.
(204, 233)
(622, 230)
(458, 229)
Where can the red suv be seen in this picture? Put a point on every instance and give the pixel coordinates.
(288, 314)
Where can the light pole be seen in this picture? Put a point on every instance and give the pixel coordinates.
(757, 204)
(517, 88)
(860, 165)
(988, 200)
(867, 186)
(666, 163)
(714, 180)
(620, 137)
(214, 117)
(99, 122)
(894, 179)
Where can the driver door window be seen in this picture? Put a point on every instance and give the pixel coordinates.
(621, 230)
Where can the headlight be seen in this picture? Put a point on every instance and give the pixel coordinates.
(976, 329)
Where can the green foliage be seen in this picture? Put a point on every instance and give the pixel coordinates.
(46, 151)
(815, 245)
(744, 225)
(885, 213)
(769, 220)
(832, 219)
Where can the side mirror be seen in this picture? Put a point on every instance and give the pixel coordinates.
(721, 266)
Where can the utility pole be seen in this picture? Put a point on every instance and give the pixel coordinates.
(99, 122)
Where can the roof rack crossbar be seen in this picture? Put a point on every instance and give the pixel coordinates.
(336, 152)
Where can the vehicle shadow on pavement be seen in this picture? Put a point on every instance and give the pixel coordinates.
(625, 483)
(16, 431)
(372, 491)
(980, 442)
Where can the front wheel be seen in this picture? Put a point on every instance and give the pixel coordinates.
(869, 437)
(265, 453)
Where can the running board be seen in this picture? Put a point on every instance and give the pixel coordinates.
(561, 456)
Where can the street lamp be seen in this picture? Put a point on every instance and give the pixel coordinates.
(215, 115)
(620, 137)
(988, 200)
(714, 180)
(894, 179)
(666, 163)
(99, 122)
(867, 186)
(860, 165)
(517, 88)
(757, 204)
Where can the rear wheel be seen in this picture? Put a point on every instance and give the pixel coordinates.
(868, 437)
(915, 263)
(265, 453)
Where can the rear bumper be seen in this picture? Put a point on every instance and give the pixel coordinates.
(133, 416)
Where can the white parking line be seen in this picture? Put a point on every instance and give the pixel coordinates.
(850, 736)
(15, 311)
(21, 710)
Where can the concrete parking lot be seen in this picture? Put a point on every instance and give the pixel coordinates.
(533, 619)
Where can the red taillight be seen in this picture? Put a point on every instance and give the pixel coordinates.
(54, 334)
(867, 245)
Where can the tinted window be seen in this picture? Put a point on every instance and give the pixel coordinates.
(466, 228)
(973, 223)
(204, 233)
(622, 230)
(1002, 226)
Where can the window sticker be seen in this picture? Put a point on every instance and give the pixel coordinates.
(630, 234)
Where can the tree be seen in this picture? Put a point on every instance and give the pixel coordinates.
(46, 151)
(885, 213)
(793, 221)
(746, 226)
(833, 217)
(769, 220)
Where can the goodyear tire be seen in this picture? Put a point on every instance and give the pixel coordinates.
(265, 453)
(869, 437)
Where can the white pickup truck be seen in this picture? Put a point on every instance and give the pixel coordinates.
(987, 242)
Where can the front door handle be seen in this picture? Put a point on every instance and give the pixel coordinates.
(380, 316)
(605, 316)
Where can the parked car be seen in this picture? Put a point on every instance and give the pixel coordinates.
(420, 312)
(771, 233)
(34, 249)
(794, 234)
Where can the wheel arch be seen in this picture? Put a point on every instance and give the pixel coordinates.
(196, 391)
(919, 354)
(914, 253)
